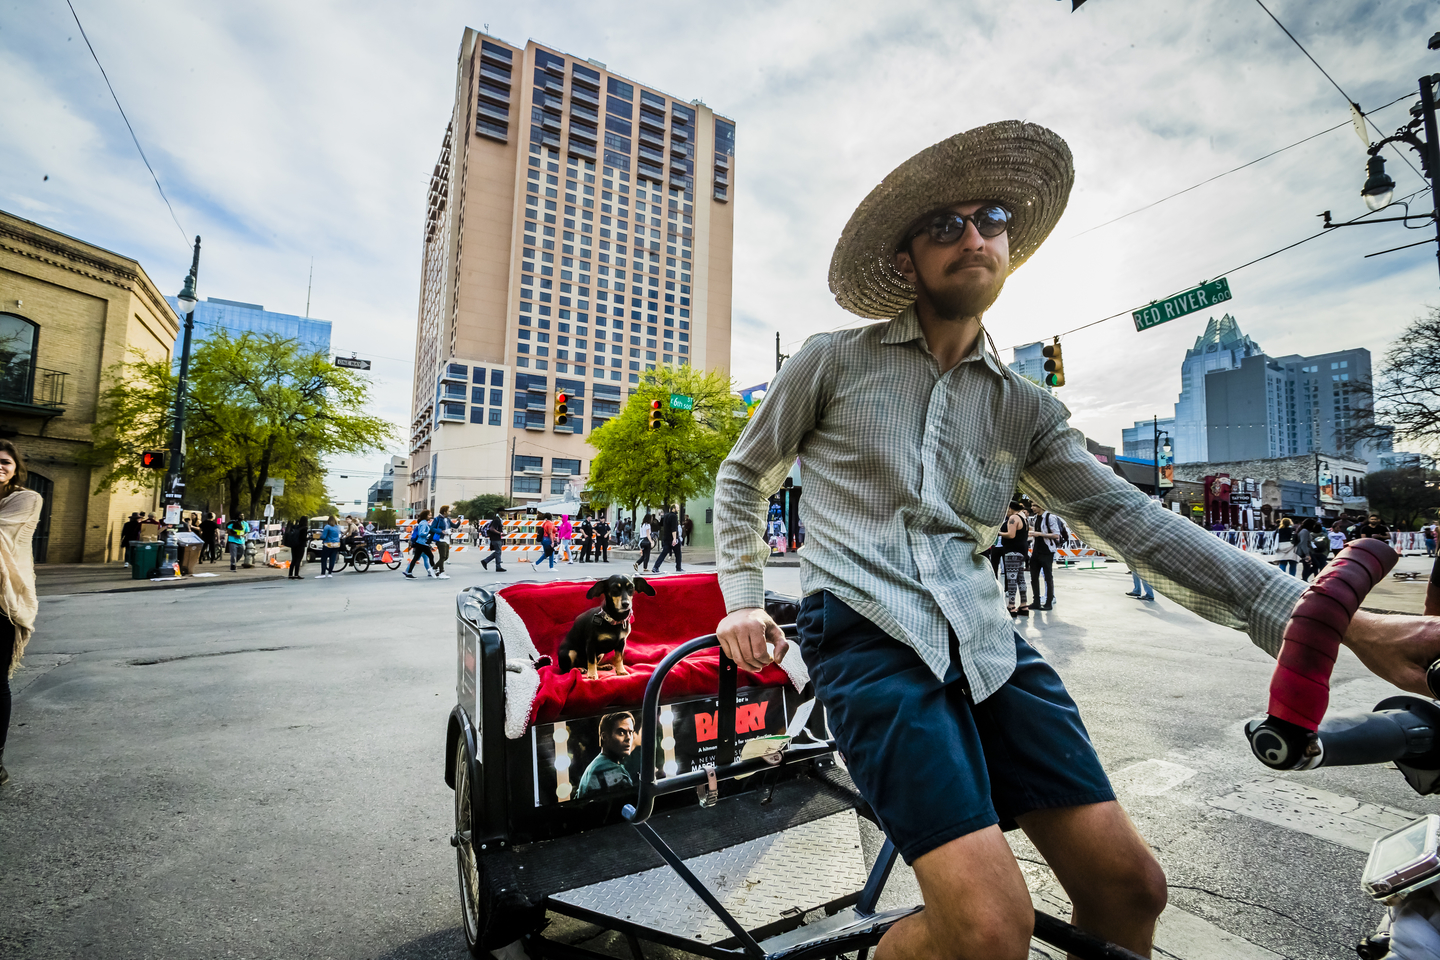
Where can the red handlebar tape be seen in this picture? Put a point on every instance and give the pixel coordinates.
(1300, 686)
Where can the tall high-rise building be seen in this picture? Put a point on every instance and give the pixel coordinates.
(1221, 347)
(1029, 362)
(578, 232)
(235, 317)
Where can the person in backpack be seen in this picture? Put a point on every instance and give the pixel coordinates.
(420, 545)
(547, 542)
(1049, 534)
(235, 532)
(495, 533)
(440, 540)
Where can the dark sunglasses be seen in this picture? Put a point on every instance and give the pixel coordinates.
(990, 221)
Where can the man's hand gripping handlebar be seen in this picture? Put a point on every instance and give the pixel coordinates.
(1296, 734)
(746, 635)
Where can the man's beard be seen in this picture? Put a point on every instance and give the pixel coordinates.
(960, 303)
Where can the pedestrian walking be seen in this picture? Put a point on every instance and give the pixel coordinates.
(689, 528)
(1139, 589)
(440, 532)
(419, 545)
(1428, 532)
(1337, 536)
(565, 532)
(294, 537)
(1320, 546)
(235, 531)
(129, 533)
(209, 532)
(1015, 558)
(1304, 547)
(647, 527)
(19, 513)
(1373, 527)
(1049, 533)
(669, 539)
(547, 542)
(495, 533)
(587, 540)
(329, 547)
(1285, 556)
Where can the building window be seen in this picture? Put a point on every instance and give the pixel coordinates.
(477, 395)
(558, 485)
(477, 375)
(452, 411)
(569, 467)
(526, 484)
(495, 417)
(523, 463)
(477, 415)
(519, 420)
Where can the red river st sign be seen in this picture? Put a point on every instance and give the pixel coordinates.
(1198, 298)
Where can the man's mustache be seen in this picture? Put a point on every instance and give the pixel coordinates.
(972, 260)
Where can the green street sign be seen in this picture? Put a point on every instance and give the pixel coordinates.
(679, 401)
(1199, 298)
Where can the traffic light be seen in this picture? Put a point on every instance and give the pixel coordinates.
(153, 460)
(1054, 365)
(655, 417)
(562, 408)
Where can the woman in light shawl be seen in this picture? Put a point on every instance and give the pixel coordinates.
(19, 512)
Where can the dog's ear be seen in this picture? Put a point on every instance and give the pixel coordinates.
(642, 585)
(596, 589)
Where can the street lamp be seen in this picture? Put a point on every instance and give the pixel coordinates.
(1379, 189)
(1156, 433)
(173, 484)
(1319, 507)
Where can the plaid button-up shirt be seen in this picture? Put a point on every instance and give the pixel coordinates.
(907, 474)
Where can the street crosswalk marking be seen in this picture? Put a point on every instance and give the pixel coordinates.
(1150, 778)
(1305, 809)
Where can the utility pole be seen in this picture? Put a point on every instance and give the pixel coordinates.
(1155, 449)
(779, 357)
(173, 484)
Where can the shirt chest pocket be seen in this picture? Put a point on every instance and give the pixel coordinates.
(984, 485)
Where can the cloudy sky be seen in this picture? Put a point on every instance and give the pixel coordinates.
(283, 131)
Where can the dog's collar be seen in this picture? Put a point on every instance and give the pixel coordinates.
(610, 619)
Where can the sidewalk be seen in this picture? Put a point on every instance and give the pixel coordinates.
(53, 579)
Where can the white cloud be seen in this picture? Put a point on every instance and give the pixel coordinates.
(285, 131)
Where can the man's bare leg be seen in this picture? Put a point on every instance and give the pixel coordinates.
(1113, 880)
(976, 905)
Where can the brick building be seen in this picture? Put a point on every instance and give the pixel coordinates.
(69, 311)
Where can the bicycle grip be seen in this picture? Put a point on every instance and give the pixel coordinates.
(1300, 685)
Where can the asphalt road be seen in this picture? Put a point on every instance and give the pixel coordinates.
(256, 771)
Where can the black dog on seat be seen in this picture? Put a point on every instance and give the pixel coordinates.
(599, 634)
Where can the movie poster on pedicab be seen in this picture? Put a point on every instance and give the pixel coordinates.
(599, 757)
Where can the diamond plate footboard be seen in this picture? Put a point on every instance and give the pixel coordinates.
(762, 882)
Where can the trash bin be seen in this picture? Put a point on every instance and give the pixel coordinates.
(148, 554)
(189, 558)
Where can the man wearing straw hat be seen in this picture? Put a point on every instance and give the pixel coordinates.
(913, 438)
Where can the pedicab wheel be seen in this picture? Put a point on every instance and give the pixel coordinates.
(472, 913)
(361, 561)
(394, 564)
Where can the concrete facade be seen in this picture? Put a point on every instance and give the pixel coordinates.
(1292, 473)
(578, 232)
(89, 308)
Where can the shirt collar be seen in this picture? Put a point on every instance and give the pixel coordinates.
(906, 327)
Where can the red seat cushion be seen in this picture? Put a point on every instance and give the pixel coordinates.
(685, 606)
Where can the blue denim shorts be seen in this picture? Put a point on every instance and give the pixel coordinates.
(933, 765)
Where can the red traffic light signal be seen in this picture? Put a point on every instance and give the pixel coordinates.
(562, 408)
(656, 420)
(153, 460)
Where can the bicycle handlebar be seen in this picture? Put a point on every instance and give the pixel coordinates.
(1288, 738)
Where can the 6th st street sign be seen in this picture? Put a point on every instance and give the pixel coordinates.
(1198, 298)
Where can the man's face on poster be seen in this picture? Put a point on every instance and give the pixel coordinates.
(620, 741)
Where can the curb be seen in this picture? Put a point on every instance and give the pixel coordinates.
(184, 583)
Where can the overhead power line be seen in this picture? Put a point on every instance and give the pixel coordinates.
(184, 235)
(1353, 105)
(1251, 163)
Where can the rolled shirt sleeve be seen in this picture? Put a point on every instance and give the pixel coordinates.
(1180, 559)
(757, 465)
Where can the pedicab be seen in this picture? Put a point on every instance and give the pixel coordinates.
(720, 823)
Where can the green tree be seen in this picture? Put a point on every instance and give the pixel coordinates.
(677, 462)
(1405, 495)
(480, 508)
(258, 406)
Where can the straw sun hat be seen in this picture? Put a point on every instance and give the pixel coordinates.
(1022, 165)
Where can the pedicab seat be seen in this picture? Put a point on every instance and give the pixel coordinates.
(533, 619)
